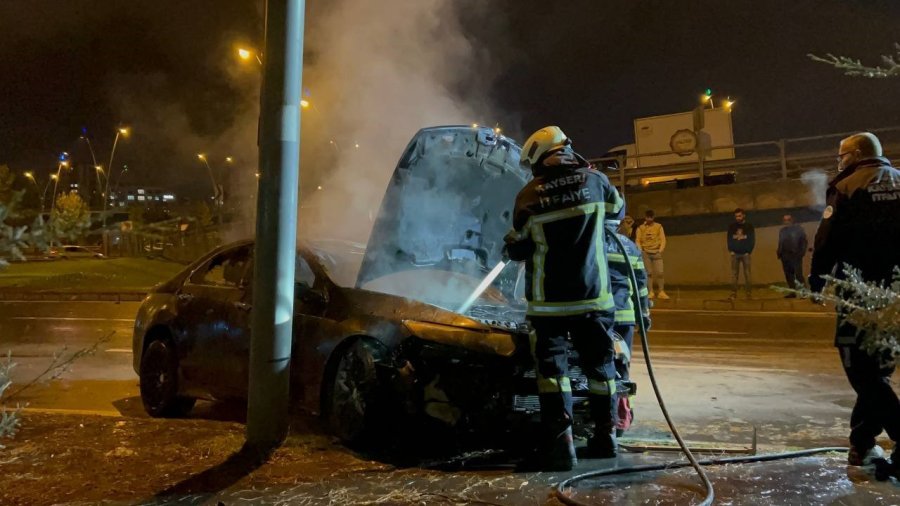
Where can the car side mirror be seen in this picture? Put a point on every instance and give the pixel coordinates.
(311, 296)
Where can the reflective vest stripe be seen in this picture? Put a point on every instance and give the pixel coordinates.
(600, 387)
(625, 316)
(540, 254)
(554, 385)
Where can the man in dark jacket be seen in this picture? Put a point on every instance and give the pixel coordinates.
(741, 241)
(558, 231)
(792, 246)
(860, 227)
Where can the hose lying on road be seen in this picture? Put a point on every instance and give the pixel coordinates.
(748, 459)
(561, 488)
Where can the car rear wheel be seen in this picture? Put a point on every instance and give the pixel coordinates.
(352, 392)
(159, 382)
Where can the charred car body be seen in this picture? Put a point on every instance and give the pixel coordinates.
(376, 333)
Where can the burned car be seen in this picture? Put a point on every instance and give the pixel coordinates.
(377, 330)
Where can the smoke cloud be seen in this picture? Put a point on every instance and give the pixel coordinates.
(817, 182)
(378, 72)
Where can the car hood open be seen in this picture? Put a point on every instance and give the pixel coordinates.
(447, 207)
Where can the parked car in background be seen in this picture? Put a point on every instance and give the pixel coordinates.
(71, 251)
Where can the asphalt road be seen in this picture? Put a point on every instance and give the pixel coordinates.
(730, 367)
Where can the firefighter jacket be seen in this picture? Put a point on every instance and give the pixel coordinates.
(620, 281)
(651, 238)
(558, 226)
(860, 225)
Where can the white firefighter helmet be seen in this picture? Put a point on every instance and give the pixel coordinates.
(542, 141)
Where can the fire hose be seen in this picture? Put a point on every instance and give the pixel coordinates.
(561, 487)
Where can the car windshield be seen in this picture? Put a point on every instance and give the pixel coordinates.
(439, 287)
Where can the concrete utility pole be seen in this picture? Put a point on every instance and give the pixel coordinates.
(276, 225)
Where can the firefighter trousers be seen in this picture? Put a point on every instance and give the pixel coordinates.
(877, 407)
(590, 336)
(627, 333)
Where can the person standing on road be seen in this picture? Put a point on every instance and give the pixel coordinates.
(860, 227)
(651, 239)
(558, 226)
(741, 241)
(623, 290)
(792, 246)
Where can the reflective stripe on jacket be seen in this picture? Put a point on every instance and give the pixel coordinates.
(558, 231)
(622, 288)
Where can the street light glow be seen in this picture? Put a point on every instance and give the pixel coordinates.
(304, 103)
(201, 156)
(124, 131)
(64, 164)
(729, 104)
(229, 159)
(245, 54)
(54, 177)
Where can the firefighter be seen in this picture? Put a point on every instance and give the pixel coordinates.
(558, 232)
(860, 227)
(623, 290)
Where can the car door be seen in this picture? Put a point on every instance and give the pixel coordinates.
(316, 331)
(310, 302)
(212, 313)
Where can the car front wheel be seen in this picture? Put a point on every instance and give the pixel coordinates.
(159, 382)
(352, 394)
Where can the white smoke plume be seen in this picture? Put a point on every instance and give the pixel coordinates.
(379, 72)
(817, 182)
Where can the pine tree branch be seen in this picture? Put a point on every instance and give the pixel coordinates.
(853, 67)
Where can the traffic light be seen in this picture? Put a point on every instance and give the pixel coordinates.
(708, 92)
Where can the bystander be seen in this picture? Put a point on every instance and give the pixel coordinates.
(741, 241)
(792, 244)
(651, 238)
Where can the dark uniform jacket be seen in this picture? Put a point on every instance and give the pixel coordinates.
(558, 228)
(860, 225)
(622, 287)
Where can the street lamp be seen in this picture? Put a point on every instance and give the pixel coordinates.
(246, 54)
(212, 178)
(53, 177)
(120, 132)
(728, 104)
(63, 164)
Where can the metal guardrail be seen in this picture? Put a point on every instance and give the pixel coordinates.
(783, 159)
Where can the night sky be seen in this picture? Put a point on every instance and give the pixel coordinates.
(588, 66)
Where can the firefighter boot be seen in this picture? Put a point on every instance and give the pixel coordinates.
(556, 454)
(602, 445)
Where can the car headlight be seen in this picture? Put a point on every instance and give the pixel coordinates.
(484, 341)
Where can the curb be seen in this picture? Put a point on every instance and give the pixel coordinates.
(11, 296)
(763, 305)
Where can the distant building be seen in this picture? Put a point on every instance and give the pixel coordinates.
(123, 197)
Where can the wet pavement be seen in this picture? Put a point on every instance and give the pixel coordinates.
(722, 373)
(72, 459)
